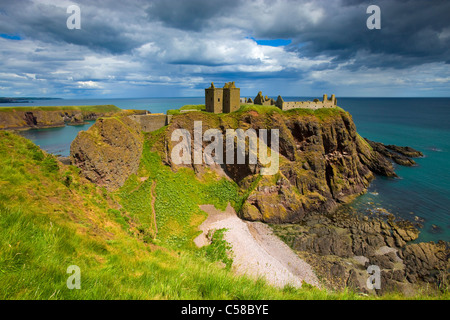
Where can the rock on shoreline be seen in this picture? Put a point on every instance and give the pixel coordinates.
(341, 246)
(400, 155)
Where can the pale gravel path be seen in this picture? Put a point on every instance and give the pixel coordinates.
(257, 251)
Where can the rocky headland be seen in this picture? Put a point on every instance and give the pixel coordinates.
(324, 163)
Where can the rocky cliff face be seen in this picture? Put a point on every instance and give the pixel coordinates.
(323, 162)
(109, 151)
(44, 117)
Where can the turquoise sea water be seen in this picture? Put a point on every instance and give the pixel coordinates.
(55, 140)
(422, 191)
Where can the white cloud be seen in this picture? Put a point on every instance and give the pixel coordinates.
(88, 85)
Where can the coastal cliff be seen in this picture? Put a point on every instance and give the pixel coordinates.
(323, 161)
(47, 117)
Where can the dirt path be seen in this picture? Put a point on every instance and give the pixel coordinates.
(153, 193)
(257, 251)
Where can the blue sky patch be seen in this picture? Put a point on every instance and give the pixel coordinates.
(10, 36)
(273, 42)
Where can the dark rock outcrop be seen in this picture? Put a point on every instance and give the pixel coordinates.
(427, 262)
(400, 155)
(341, 247)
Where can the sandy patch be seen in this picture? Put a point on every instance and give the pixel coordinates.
(257, 251)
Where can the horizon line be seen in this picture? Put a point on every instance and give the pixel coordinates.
(244, 96)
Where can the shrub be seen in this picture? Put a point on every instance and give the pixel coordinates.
(219, 249)
(49, 164)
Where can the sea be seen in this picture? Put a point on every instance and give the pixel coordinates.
(421, 194)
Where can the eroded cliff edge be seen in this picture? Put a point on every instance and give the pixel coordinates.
(22, 118)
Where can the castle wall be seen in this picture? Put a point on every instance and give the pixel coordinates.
(288, 105)
(266, 103)
(316, 104)
(151, 122)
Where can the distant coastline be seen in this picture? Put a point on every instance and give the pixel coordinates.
(24, 99)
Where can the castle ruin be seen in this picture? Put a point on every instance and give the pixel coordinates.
(263, 101)
(315, 104)
(288, 105)
(227, 99)
(222, 100)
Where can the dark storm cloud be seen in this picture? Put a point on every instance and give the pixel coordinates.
(412, 33)
(192, 15)
(47, 22)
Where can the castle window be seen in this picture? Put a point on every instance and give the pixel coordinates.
(218, 99)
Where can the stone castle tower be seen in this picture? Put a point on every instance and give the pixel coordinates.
(222, 100)
(332, 100)
(214, 99)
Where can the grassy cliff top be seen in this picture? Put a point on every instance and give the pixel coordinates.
(99, 108)
(321, 114)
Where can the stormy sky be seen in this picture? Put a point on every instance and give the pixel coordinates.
(161, 48)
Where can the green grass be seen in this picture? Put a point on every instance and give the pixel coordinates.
(219, 249)
(322, 114)
(179, 195)
(99, 109)
(364, 142)
(199, 107)
(258, 108)
(173, 112)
